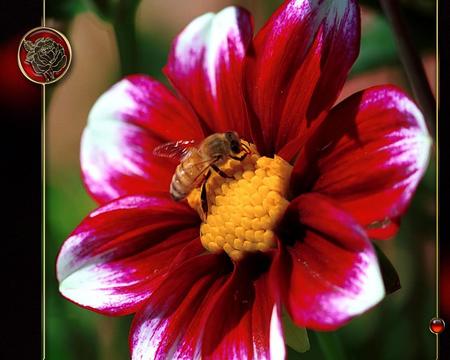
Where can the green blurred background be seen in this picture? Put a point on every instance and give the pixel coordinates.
(104, 50)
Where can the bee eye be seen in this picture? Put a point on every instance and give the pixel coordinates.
(229, 136)
(235, 147)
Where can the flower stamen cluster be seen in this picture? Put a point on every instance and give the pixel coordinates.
(244, 209)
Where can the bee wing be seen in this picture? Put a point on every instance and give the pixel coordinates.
(206, 164)
(174, 150)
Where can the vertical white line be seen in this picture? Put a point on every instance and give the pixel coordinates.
(44, 217)
(44, 230)
(437, 173)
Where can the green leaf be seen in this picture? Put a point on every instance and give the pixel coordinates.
(107, 10)
(296, 337)
(331, 346)
(390, 276)
(102, 8)
(65, 10)
(377, 47)
(123, 20)
(112, 10)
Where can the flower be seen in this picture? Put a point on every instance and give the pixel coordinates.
(337, 176)
(46, 56)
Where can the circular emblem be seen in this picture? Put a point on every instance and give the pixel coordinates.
(44, 55)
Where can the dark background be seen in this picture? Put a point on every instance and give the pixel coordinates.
(444, 147)
(20, 262)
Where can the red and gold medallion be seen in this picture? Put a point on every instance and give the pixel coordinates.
(44, 55)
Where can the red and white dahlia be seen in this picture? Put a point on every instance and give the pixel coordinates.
(290, 227)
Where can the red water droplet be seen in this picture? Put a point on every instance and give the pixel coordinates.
(437, 325)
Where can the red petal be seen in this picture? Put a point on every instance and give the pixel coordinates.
(205, 65)
(116, 256)
(125, 125)
(245, 321)
(170, 325)
(369, 154)
(302, 57)
(315, 211)
(331, 273)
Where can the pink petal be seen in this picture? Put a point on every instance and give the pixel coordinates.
(369, 154)
(330, 273)
(114, 259)
(245, 320)
(197, 313)
(170, 325)
(301, 59)
(125, 125)
(205, 65)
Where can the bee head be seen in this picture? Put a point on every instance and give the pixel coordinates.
(234, 141)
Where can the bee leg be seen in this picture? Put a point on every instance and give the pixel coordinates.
(245, 147)
(220, 172)
(203, 195)
(240, 158)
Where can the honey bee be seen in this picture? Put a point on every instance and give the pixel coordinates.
(196, 162)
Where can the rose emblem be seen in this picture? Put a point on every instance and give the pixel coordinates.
(46, 57)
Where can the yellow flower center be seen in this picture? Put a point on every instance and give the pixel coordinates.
(243, 209)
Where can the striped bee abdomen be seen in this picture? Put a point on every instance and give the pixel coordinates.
(187, 176)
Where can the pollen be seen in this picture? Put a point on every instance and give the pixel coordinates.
(244, 207)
